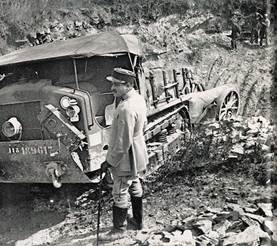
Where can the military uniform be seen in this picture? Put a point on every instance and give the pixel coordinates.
(255, 29)
(235, 35)
(127, 154)
(265, 23)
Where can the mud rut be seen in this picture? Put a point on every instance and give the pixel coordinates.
(251, 74)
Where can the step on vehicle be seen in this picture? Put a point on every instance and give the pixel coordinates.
(56, 107)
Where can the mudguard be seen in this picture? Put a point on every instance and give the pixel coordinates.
(200, 101)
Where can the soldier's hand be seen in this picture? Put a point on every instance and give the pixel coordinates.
(104, 166)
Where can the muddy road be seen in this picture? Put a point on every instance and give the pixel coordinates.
(28, 208)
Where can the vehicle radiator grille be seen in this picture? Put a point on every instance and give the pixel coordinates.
(26, 113)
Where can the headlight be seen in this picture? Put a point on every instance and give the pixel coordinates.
(73, 113)
(66, 101)
(11, 127)
(71, 108)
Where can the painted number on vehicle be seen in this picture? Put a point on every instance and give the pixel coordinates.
(30, 150)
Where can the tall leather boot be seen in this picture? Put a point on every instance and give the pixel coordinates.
(119, 217)
(137, 209)
(119, 228)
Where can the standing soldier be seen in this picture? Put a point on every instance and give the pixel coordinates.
(255, 27)
(127, 154)
(265, 23)
(236, 30)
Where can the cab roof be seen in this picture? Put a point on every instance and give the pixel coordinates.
(101, 44)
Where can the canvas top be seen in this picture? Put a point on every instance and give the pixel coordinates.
(101, 44)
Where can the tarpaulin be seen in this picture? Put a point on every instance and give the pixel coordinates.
(87, 46)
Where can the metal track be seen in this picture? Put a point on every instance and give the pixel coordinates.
(162, 151)
(162, 121)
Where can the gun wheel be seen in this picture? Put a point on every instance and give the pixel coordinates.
(184, 121)
(229, 106)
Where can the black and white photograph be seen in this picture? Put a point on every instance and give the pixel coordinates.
(138, 123)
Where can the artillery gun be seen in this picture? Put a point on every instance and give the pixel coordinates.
(56, 107)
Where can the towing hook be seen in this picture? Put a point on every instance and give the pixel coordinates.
(55, 171)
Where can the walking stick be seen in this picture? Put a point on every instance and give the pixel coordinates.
(99, 208)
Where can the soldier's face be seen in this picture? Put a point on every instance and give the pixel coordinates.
(119, 89)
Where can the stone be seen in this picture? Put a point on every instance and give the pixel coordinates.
(270, 226)
(32, 39)
(231, 200)
(204, 226)
(250, 210)
(236, 207)
(250, 143)
(238, 149)
(188, 219)
(214, 210)
(69, 25)
(224, 215)
(266, 209)
(210, 239)
(214, 125)
(53, 24)
(256, 217)
(167, 237)
(238, 125)
(249, 151)
(154, 239)
(250, 236)
(253, 132)
(183, 238)
(233, 156)
(214, 237)
(250, 221)
(208, 132)
(178, 237)
(222, 227)
(264, 122)
(269, 157)
(265, 148)
(236, 227)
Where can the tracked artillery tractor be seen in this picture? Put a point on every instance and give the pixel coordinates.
(56, 107)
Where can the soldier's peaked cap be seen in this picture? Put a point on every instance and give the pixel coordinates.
(122, 76)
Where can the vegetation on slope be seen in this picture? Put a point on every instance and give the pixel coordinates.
(20, 17)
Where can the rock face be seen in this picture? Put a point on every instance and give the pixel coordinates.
(60, 31)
